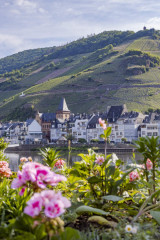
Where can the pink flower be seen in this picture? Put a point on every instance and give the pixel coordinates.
(102, 123)
(34, 205)
(53, 204)
(53, 179)
(5, 171)
(41, 176)
(133, 176)
(99, 160)
(22, 191)
(17, 182)
(60, 163)
(54, 209)
(149, 164)
(4, 164)
(37, 175)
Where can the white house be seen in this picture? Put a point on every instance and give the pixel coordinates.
(79, 130)
(131, 122)
(15, 132)
(94, 130)
(150, 126)
(58, 129)
(34, 133)
(149, 130)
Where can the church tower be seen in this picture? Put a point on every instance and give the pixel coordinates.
(63, 112)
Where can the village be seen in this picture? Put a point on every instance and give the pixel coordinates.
(61, 126)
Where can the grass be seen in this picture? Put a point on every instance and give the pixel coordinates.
(145, 44)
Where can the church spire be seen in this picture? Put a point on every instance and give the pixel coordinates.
(63, 112)
(63, 105)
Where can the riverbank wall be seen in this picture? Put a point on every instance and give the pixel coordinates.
(74, 147)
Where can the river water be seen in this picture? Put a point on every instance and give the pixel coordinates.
(14, 158)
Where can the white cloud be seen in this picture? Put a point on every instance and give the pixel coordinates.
(41, 10)
(26, 3)
(29, 6)
(15, 11)
(10, 39)
(153, 23)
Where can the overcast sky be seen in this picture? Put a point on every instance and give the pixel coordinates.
(27, 24)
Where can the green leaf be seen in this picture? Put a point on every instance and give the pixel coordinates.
(107, 159)
(107, 132)
(113, 198)
(24, 236)
(86, 209)
(68, 234)
(156, 216)
(94, 179)
(102, 136)
(24, 222)
(110, 171)
(40, 232)
(102, 221)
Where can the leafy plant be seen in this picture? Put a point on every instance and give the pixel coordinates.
(50, 156)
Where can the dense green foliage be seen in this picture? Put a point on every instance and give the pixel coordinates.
(18, 60)
(22, 113)
(94, 42)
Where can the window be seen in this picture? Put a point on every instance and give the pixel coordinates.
(143, 132)
(149, 134)
(155, 134)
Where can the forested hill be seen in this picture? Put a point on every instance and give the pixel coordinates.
(110, 68)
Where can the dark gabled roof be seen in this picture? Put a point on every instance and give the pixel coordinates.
(48, 117)
(150, 118)
(29, 121)
(63, 105)
(130, 114)
(114, 113)
(14, 125)
(93, 121)
(157, 117)
(58, 121)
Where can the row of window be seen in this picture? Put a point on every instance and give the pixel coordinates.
(46, 126)
(149, 134)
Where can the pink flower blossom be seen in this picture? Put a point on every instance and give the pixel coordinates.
(99, 160)
(102, 123)
(5, 171)
(34, 205)
(53, 204)
(54, 209)
(149, 164)
(53, 179)
(22, 191)
(4, 164)
(60, 163)
(133, 176)
(17, 182)
(36, 175)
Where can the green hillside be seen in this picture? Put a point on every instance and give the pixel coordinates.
(92, 73)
